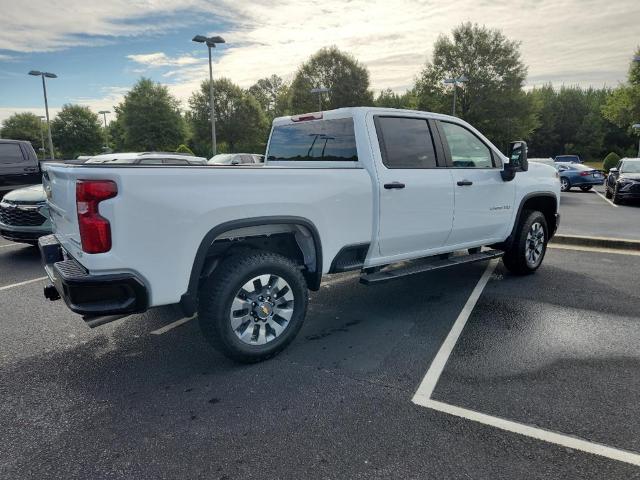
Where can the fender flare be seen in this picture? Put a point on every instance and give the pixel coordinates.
(188, 301)
(524, 200)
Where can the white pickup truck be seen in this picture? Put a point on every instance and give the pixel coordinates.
(383, 191)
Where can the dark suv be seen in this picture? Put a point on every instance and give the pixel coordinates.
(19, 165)
(623, 181)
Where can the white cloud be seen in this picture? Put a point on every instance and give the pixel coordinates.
(160, 59)
(6, 58)
(582, 42)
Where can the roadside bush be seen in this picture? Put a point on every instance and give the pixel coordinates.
(610, 161)
(184, 149)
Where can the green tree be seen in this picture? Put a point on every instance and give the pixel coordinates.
(182, 148)
(116, 132)
(623, 106)
(346, 79)
(272, 95)
(150, 118)
(492, 98)
(76, 131)
(610, 161)
(240, 122)
(23, 126)
(389, 99)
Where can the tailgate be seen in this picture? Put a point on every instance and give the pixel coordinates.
(59, 184)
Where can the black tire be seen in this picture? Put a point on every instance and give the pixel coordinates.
(617, 200)
(218, 292)
(586, 188)
(565, 184)
(515, 258)
(607, 192)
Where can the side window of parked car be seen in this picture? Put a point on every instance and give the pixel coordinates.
(10, 153)
(467, 150)
(405, 142)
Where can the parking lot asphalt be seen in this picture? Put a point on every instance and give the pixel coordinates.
(591, 214)
(557, 350)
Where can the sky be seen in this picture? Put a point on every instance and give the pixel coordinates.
(99, 49)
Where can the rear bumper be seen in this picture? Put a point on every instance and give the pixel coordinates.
(90, 295)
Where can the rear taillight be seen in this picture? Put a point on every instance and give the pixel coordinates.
(95, 230)
(585, 174)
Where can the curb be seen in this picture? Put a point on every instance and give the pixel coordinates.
(597, 242)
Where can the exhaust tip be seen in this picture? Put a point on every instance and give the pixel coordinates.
(51, 293)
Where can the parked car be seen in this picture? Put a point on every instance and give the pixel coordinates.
(236, 159)
(546, 161)
(568, 159)
(147, 158)
(24, 215)
(623, 181)
(350, 189)
(578, 175)
(19, 165)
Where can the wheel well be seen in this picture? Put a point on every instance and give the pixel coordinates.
(545, 204)
(291, 237)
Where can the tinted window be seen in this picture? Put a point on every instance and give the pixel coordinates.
(467, 150)
(327, 140)
(405, 142)
(10, 153)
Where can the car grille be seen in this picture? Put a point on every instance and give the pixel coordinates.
(19, 217)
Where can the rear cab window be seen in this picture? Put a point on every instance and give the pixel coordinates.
(326, 140)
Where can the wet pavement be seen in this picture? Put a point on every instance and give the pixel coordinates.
(589, 214)
(557, 349)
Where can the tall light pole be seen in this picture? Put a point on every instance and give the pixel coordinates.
(37, 73)
(106, 135)
(319, 91)
(211, 43)
(455, 81)
(42, 117)
(637, 127)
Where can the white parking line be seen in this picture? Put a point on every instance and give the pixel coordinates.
(171, 326)
(422, 396)
(606, 199)
(26, 282)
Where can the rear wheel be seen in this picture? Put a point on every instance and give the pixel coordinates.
(586, 188)
(529, 245)
(253, 305)
(565, 185)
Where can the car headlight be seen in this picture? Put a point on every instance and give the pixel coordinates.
(625, 184)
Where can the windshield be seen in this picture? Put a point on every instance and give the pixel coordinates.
(630, 167)
(325, 140)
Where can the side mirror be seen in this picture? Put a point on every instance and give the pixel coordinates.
(614, 170)
(517, 160)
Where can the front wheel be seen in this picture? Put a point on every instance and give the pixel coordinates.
(586, 188)
(607, 192)
(565, 186)
(253, 305)
(616, 196)
(529, 246)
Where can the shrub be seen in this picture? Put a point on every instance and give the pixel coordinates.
(184, 149)
(610, 161)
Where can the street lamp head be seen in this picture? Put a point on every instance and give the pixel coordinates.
(35, 73)
(49, 75)
(210, 41)
(462, 79)
(319, 90)
(103, 112)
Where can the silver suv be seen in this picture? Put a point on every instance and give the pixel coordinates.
(24, 215)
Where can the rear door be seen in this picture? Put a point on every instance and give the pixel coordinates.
(483, 201)
(16, 168)
(416, 190)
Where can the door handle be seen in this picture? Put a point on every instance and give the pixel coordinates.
(464, 183)
(392, 185)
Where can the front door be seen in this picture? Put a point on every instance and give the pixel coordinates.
(483, 201)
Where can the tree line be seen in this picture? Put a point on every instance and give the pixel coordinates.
(589, 122)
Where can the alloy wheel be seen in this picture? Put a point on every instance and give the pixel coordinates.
(535, 245)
